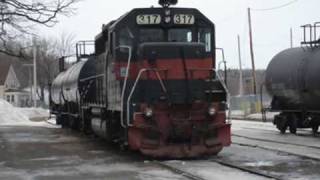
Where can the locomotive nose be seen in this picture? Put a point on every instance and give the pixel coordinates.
(175, 60)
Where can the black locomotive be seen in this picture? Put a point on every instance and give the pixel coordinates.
(150, 85)
(292, 78)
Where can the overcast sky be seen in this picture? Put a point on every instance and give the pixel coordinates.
(271, 28)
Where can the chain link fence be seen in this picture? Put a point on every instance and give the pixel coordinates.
(243, 106)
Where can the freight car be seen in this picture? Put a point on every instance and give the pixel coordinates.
(150, 85)
(292, 78)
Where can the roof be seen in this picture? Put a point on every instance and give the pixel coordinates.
(21, 72)
(4, 69)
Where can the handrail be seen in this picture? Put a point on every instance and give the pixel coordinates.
(92, 77)
(125, 82)
(135, 85)
(222, 82)
(225, 65)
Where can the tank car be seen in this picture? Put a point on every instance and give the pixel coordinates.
(292, 78)
(151, 85)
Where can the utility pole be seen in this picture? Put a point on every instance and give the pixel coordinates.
(240, 65)
(254, 83)
(35, 72)
(291, 38)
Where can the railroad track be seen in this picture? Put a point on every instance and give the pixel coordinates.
(278, 142)
(245, 169)
(276, 130)
(279, 150)
(223, 163)
(178, 171)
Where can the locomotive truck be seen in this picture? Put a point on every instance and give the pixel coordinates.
(150, 85)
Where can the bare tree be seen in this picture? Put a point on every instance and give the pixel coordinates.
(49, 51)
(18, 17)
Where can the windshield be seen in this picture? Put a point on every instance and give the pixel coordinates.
(179, 35)
(203, 35)
(151, 35)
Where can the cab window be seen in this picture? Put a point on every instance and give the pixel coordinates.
(126, 38)
(179, 35)
(151, 35)
(204, 36)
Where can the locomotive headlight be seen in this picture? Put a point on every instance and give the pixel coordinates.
(212, 111)
(148, 112)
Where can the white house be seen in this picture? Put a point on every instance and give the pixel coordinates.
(13, 84)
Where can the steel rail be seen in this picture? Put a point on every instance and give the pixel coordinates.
(278, 142)
(223, 163)
(248, 170)
(178, 171)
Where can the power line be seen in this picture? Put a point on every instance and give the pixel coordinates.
(277, 7)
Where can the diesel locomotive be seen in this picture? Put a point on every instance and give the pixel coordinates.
(150, 85)
(292, 79)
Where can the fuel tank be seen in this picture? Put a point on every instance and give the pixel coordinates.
(292, 78)
(75, 81)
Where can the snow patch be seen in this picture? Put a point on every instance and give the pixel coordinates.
(13, 116)
(260, 164)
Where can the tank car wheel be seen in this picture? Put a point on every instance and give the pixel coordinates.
(293, 125)
(293, 130)
(283, 129)
(315, 129)
(281, 123)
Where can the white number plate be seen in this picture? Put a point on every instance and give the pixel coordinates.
(184, 19)
(148, 19)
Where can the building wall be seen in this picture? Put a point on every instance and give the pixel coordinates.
(2, 91)
(18, 99)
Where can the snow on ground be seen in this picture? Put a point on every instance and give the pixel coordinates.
(13, 116)
(237, 114)
(35, 114)
(266, 135)
(245, 125)
(88, 169)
